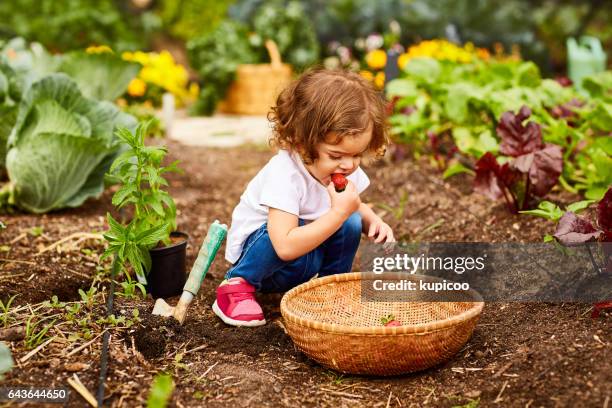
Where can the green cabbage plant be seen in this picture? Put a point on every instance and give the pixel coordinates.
(61, 146)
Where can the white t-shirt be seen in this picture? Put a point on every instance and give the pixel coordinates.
(283, 183)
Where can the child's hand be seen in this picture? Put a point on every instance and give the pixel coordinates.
(380, 231)
(346, 202)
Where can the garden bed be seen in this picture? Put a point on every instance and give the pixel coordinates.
(521, 354)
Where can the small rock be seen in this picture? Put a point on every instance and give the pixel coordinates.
(479, 354)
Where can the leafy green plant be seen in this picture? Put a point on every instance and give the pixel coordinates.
(467, 100)
(287, 24)
(61, 146)
(217, 54)
(140, 172)
(553, 212)
(77, 24)
(216, 57)
(104, 76)
(161, 391)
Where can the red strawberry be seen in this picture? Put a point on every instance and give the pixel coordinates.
(339, 181)
(389, 321)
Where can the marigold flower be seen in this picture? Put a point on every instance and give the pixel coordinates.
(376, 59)
(403, 60)
(379, 80)
(98, 49)
(367, 75)
(137, 87)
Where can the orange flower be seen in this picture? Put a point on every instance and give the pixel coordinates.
(137, 87)
(367, 75)
(376, 59)
(379, 80)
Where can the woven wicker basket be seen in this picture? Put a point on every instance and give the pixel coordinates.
(256, 86)
(328, 320)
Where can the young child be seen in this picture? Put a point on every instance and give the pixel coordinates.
(291, 224)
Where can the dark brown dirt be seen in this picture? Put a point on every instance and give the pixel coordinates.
(538, 355)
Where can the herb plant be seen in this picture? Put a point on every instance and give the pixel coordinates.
(139, 171)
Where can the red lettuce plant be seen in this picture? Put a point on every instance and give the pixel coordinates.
(533, 167)
(574, 230)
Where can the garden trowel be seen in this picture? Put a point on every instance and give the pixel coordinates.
(208, 250)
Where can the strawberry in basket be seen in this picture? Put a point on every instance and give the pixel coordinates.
(389, 321)
(339, 181)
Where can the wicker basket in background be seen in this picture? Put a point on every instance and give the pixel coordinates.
(330, 321)
(256, 86)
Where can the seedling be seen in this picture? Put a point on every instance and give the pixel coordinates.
(36, 231)
(54, 303)
(399, 210)
(32, 337)
(4, 308)
(89, 296)
(129, 287)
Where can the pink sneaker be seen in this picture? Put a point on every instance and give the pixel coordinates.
(236, 304)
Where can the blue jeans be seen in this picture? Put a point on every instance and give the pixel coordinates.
(261, 267)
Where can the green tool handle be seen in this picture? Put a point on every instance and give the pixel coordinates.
(208, 250)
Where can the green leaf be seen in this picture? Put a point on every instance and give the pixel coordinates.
(6, 360)
(425, 70)
(528, 74)
(161, 391)
(103, 76)
(124, 192)
(153, 235)
(579, 205)
(135, 258)
(403, 87)
(455, 169)
(547, 210)
(474, 144)
(116, 229)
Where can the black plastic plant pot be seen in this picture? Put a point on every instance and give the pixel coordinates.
(168, 274)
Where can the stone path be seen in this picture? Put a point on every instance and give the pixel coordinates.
(220, 130)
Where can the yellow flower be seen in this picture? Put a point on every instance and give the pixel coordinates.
(98, 49)
(376, 59)
(367, 75)
(137, 87)
(379, 80)
(403, 60)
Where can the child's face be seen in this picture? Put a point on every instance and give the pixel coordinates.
(343, 157)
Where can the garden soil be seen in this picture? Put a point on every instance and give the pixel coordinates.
(521, 355)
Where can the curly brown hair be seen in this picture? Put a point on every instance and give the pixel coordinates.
(322, 101)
